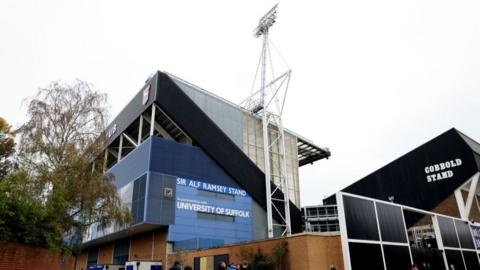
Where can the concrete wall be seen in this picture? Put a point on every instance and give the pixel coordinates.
(305, 251)
(20, 257)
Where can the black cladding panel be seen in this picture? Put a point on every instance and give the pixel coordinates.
(447, 231)
(464, 235)
(132, 111)
(397, 257)
(360, 218)
(408, 179)
(365, 256)
(471, 260)
(391, 223)
(454, 257)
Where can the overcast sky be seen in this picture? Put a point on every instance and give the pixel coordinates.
(371, 79)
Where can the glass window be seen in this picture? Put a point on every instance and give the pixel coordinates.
(360, 218)
(216, 195)
(92, 256)
(138, 199)
(214, 217)
(120, 251)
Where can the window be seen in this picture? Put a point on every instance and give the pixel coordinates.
(120, 251)
(214, 217)
(92, 256)
(216, 195)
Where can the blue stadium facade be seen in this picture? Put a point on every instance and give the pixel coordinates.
(185, 161)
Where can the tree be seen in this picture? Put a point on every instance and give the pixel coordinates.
(23, 218)
(7, 147)
(59, 147)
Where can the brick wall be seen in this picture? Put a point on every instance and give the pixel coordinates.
(305, 251)
(474, 211)
(448, 207)
(146, 246)
(15, 256)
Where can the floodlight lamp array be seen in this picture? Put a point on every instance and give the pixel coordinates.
(266, 22)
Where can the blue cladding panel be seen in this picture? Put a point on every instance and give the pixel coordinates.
(160, 210)
(187, 161)
(132, 166)
(186, 170)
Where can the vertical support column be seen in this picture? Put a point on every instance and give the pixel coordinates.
(266, 143)
(285, 180)
(406, 235)
(140, 129)
(105, 160)
(120, 147)
(343, 231)
(379, 234)
(152, 120)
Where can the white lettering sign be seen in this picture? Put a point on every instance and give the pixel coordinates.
(196, 206)
(441, 170)
(146, 94)
(111, 131)
(211, 187)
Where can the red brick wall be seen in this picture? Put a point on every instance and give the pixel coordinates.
(15, 256)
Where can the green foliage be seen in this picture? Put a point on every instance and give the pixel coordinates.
(59, 188)
(25, 219)
(278, 254)
(7, 147)
(261, 261)
(245, 254)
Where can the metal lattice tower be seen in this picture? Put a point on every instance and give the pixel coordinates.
(268, 103)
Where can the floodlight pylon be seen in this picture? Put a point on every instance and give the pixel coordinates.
(268, 102)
